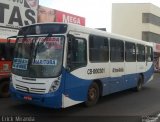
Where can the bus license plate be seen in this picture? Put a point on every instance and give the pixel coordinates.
(29, 98)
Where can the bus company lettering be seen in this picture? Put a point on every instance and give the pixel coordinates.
(44, 62)
(95, 71)
(55, 40)
(118, 70)
(71, 19)
(20, 63)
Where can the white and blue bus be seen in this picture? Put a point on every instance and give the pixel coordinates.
(58, 65)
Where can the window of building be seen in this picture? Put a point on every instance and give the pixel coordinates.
(140, 53)
(150, 36)
(98, 49)
(116, 50)
(150, 18)
(130, 52)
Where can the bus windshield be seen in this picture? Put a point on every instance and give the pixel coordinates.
(38, 57)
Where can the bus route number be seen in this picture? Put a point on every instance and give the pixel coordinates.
(95, 71)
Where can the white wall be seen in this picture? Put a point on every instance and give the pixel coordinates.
(127, 19)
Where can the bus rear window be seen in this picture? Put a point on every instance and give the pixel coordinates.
(43, 29)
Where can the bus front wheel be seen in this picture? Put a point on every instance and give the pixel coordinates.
(93, 94)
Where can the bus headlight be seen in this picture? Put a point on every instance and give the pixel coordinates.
(55, 85)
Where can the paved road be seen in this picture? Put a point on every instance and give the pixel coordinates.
(127, 103)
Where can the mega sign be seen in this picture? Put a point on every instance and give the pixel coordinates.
(69, 18)
(17, 13)
(51, 15)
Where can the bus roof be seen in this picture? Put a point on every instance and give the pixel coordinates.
(87, 30)
(83, 29)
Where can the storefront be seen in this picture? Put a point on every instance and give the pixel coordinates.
(15, 14)
(156, 50)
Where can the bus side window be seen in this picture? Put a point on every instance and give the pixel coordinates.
(98, 49)
(116, 50)
(77, 53)
(140, 53)
(130, 52)
(149, 54)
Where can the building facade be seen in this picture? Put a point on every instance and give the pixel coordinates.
(140, 21)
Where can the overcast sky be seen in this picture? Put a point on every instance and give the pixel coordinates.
(96, 12)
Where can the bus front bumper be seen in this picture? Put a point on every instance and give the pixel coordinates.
(50, 100)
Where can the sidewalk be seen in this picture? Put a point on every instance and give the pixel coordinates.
(156, 75)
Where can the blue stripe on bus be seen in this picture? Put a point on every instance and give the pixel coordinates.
(76, 89)
(148, 74)
(117, 84)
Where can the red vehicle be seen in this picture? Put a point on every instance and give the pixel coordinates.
(6, 56)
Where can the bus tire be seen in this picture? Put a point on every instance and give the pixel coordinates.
(4, 89)
(92, 95)
(139, 84)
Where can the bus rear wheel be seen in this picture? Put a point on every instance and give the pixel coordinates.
(4, 89)
(139, 84)
(93, 95)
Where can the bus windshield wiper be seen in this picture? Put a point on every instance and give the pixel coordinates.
(39, 44)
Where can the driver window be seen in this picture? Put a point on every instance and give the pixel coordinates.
(77, 53)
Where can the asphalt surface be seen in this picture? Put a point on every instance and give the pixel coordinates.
(123, 105)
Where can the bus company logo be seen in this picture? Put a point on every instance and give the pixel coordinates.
(117, 70)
